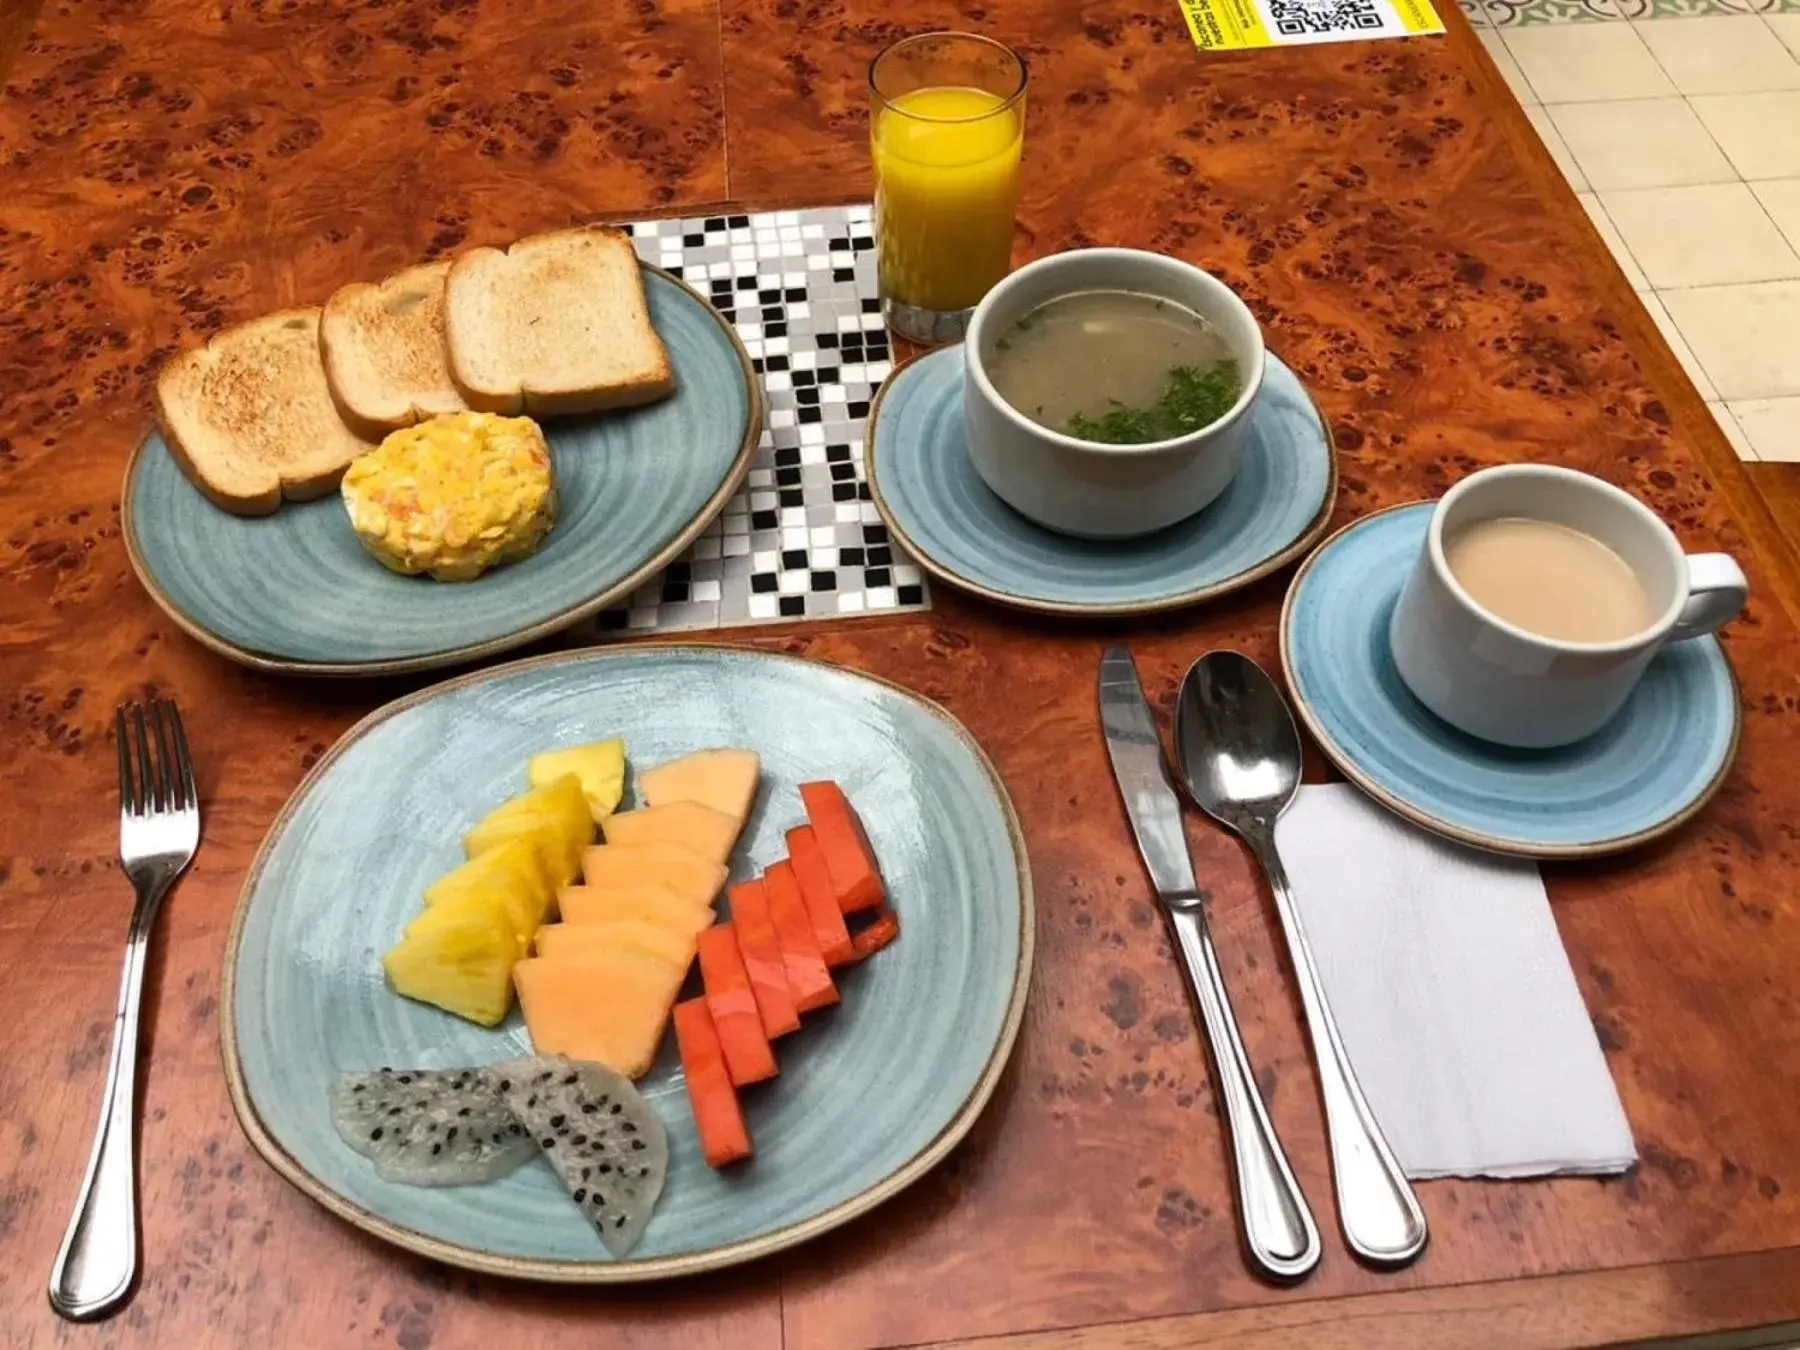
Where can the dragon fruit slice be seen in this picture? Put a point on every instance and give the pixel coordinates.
(603, 1139)
(429, 1127)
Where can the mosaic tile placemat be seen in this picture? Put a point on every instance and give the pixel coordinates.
(800, 539)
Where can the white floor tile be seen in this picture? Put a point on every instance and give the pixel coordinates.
(1787, 28)
(1678, 345)
(1656, 142)
(1558, 148)
(1509, 68)
(1621, 254)
(1586, 62)
(1780, 197)
(1772, 426)
(1709, 235)
(1733, 432)
(1720, 54)
(1759, 132)
(1746, 337)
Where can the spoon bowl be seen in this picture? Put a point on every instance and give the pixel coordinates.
(1238, 747)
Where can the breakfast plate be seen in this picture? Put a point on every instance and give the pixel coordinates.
(871, 1094)
(940, 511)
(1642, 775)
(295, 592)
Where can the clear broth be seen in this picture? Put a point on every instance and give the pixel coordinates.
(1073, 362)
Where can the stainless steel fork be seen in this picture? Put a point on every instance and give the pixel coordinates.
(159, 829)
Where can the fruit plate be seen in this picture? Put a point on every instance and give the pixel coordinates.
(871, 1094)
(296, 592)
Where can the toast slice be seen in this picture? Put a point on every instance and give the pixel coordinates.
(249, 416)
(383, 346)
(555, 324)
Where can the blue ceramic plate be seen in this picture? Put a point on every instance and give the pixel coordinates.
(296, 592)
(1642, 775)
(943, 514)
(871, 1093)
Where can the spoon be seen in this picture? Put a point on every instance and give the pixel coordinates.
(1239, 754)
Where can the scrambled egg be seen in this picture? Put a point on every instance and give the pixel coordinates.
(454, 495)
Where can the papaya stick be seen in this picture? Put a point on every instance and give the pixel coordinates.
(800, 956)
(723, 1136)
(761, 951)
(819, 894)
(733, 1006)
(849, 859)
(877, 935)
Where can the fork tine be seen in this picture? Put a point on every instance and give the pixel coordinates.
(127, 790)
(150, 790)
(183, 762)
(167, 783)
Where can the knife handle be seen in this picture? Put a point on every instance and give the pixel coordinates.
(1279, 1232)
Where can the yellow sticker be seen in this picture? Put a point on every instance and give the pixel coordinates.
(1225, 25)
(1235, 25)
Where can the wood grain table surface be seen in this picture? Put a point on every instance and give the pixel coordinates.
(1388, 215)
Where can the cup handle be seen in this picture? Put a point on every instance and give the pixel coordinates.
(1717, 592)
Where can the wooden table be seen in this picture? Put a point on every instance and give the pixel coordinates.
(1408, 247)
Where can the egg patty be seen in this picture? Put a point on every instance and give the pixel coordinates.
(454, 495)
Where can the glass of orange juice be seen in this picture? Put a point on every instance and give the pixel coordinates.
(946, 122)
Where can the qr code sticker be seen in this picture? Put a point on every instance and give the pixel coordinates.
(1296, 17)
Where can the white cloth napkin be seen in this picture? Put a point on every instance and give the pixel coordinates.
(1453, 995)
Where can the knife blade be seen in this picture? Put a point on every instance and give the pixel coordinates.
(1279, 1233)
(1143, 777)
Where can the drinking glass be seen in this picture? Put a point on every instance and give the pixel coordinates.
(946, 123)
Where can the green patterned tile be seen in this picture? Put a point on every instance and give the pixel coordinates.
(1683, 9)
(1523, 13)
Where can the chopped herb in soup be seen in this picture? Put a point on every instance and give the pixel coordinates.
(1117, 367)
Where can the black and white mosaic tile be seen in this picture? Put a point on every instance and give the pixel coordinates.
(801, 539)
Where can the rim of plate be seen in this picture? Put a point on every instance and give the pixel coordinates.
(1237, 581)
(1493, 843)
(473, 651)
(650, 1268)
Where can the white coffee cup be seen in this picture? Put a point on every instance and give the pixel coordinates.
(1502, 683)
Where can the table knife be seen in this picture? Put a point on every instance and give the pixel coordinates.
(1278, 1228)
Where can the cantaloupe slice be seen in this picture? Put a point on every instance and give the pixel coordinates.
(582, 905)
(574, 941)
(722, 779)
(699, 829)
(610, 1009)
(613, 867)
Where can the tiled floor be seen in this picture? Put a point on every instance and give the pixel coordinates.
(1678, 124)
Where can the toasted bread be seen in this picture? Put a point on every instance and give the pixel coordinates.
(555, 324)
(249, 416)
(384, 351)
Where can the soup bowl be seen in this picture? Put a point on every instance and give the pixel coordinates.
(1082, 487)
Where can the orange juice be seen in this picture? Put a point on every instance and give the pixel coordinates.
(946, 186)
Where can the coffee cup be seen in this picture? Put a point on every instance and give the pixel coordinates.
(1520, 686)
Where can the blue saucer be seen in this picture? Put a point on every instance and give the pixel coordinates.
(941, 512)
(1641, 776)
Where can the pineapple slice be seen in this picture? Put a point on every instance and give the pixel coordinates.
(600, 767)
(510, 871)
(555, 818)
(459, 958)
